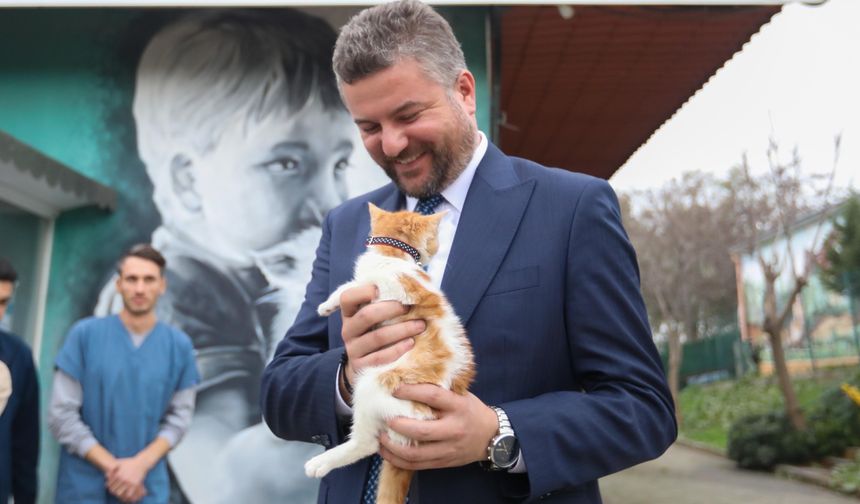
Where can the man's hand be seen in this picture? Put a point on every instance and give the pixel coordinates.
(367, 343)
(458, 436)
(125, 479)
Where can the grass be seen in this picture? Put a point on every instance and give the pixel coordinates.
(709, 410)
(846, 477)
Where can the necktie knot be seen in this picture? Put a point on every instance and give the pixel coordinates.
(427, 206)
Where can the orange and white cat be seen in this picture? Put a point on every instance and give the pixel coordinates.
(399, 243)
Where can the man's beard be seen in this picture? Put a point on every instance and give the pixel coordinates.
(137, 312)
(448, 160)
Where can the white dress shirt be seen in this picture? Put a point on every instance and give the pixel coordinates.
(455, 198)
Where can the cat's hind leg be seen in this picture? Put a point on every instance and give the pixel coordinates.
(393, 484)
(363, 440)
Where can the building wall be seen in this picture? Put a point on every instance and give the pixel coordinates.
(21, 252)
(819, 316)
(67, 90)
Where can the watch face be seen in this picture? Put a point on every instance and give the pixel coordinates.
(505, 449)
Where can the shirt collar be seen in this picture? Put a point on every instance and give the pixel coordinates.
(455, 193)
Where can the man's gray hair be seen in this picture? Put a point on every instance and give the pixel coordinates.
(380, 36)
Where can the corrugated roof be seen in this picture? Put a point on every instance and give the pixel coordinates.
(584, 93)
(42, 185)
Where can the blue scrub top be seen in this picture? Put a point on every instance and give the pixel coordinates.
(126, 391)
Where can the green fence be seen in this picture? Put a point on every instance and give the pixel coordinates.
(718, 357)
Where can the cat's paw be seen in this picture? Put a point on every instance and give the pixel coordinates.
(327, 308)
(317, 467)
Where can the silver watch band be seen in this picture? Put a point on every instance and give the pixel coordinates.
(504, 423)
(503, 442)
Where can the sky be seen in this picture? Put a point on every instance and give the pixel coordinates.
(797, 79)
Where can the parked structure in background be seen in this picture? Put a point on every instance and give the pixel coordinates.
(820, 332)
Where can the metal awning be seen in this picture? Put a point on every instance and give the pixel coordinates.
(583, 88)
(39, 184)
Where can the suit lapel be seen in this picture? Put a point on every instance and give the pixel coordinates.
(491, 215)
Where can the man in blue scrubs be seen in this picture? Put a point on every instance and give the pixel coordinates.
(123, 394)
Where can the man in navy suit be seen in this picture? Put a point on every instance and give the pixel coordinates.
(19, 407)
(537, 265)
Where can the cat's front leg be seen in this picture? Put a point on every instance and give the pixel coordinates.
(331, 304)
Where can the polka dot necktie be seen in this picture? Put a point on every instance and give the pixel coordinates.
(369, 494)
(427, 206)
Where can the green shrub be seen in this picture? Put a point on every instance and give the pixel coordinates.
(834, 423)
(761, 441)
(709, 411)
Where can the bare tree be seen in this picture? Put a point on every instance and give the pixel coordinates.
(767, 208)
(682, 240)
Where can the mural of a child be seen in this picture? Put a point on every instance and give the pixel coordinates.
(247, 145)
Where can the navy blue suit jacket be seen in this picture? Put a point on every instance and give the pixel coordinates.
(19, 424)
(545, 280)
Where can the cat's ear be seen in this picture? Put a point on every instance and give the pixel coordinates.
(436, 218)
(375, 212)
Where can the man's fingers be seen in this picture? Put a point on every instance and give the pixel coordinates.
(385, 337)
(422, 456)
(139, 493)
(419, 430)
(115, 488)
(388, 354)
(367, 317)
(432, 395)
(353, 299)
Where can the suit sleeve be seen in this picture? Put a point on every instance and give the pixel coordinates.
(623, 414)
(298, 385)
(25, 442)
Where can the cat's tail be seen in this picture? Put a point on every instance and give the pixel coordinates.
(393, 484)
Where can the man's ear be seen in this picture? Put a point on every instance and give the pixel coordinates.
(464, 88)
(184, 183)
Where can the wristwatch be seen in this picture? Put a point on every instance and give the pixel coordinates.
(504, 449)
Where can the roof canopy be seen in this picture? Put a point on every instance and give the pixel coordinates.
(39, 184)
(583, 87)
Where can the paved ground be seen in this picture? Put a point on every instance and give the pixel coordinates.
(688, 476)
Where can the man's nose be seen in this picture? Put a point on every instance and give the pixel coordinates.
(394, 141)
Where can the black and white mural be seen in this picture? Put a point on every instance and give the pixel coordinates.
(244, 139)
